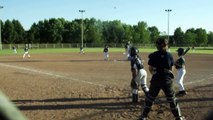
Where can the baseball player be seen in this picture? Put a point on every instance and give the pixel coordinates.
(181, 71)
(127, 50)
(26, 52)
(139, 75)
(106, 52)
(160, 66)
(81, 50)
(14, 49)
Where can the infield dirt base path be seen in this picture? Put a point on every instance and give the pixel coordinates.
(85, 87)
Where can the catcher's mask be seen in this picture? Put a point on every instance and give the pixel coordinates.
(133, 51)
(180, 51)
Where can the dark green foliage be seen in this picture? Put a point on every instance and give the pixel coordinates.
(96, 32)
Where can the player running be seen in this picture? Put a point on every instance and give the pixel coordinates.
(139, 75)
(26, 52)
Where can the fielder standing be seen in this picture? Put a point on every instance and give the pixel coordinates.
(139, 74)
(106, 53)
(181, 71)
(127, 50)
(14, 49)
(81, 50)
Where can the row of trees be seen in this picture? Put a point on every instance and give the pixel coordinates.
(95, 31)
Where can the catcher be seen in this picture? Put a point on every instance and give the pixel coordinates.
(139, 75)
(181, 71)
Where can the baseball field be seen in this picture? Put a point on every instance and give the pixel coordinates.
(66, 85)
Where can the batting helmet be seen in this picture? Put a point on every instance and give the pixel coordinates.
(133, 51)
(180, 51)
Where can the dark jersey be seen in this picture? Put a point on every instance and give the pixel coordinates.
(106, 49)
(126, 45)
(180, 63)
(136, 63)
(25, 49)
(162, 62)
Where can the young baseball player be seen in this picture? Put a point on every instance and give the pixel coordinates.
(127, 50)
(106, 53)
(26, 52)
(181, 71)
(14, 49)
(81, 50)
(160, 66)
(139, 74)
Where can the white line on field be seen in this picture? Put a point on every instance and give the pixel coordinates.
(50, 74)
(197, 81)
(75, 79)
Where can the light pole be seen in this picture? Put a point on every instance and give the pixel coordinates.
(0, 31)
(168, 10)
(82, 29)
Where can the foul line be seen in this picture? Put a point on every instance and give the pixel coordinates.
(75, 79)
(50, 74)
(197, 81)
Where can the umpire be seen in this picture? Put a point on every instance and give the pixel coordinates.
(160, 66)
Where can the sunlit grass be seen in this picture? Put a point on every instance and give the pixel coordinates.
(70, 50)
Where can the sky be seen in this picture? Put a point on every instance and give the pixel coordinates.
(185, 13)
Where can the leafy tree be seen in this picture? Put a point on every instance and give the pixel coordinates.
(93, 31)
(210, 38)
(142, 34)
(43, 31)
(106, 32)
(113, 32)
(7, 33)
(33, 35)
(189, 37)
(118, 31)
(13, 32)
(201, 36)
(19, 32)
(128, 35)
(154, 34)
(72, 32)
(178, 36)
(55, 28)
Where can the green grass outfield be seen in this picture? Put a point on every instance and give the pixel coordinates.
(69, 50)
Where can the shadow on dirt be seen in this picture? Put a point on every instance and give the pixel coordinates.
(120, 105)
(91, 103)
(34, 60)
(28, 60)
(70, 99)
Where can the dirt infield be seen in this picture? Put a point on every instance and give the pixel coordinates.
(85, 87)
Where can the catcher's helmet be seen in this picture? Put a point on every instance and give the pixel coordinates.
(133, 51)
(180, 51)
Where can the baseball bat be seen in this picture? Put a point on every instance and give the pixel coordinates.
(185, 51)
